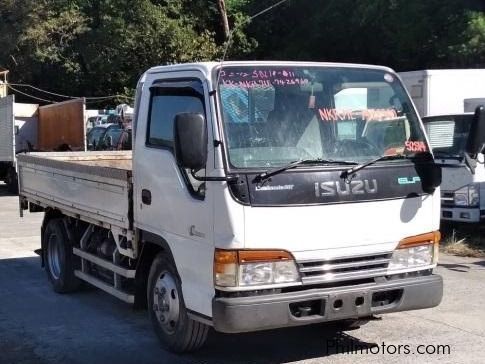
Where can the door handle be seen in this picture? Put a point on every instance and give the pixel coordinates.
(193, 232)
(146, 197)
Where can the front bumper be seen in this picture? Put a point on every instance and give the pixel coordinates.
(461, 214)
(244, 314)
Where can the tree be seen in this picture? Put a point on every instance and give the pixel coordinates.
(224, 20)
(404, 34)
(96, 47)
(99, 47)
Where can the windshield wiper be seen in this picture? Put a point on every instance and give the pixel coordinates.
(349, 172)
(265, 175)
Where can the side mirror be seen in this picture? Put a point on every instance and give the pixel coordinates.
(430, 175)
(190, 140)
(476, 137)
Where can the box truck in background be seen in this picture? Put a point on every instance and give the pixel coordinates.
(18, 132)
(463, 185)
(28, 127)
(447, 91)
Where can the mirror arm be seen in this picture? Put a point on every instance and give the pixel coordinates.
(471, 163)
(212, 179)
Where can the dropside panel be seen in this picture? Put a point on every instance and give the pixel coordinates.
(95, 186)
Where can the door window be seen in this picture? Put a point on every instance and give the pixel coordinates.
(167, 100)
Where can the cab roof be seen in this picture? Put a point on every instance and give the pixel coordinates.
(207, 67)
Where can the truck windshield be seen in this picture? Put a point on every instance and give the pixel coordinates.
(448, 134)
(275, 115)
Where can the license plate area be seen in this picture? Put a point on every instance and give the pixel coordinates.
(348, 305)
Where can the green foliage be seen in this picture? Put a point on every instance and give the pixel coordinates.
(404, 34)
(100, 47)
(97, 47)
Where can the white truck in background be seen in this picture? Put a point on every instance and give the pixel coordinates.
(446, 99)
(463, 184)
(258, 195)
(29, 127)
(18, 132)
(445, 91)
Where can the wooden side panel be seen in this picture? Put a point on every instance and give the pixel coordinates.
(60, 124)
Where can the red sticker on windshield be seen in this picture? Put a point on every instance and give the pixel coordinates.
(366, 115)
(415, 146)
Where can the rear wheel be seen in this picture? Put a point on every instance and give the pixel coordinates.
(166, 307)
(60, 262)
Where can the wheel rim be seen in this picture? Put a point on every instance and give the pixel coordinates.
(54, 259)
(166, 302)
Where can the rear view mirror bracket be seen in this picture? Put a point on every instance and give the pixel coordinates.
(476, 137)
(471, 163)
(212, 179)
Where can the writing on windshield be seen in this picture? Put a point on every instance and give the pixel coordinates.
(275, 115)
(261, 78)
(367, 114)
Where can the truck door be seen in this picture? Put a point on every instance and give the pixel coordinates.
(168, 201)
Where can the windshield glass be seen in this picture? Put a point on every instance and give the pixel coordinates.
(275, 115)
(448, 134)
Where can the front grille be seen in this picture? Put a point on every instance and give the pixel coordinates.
(447, 198)
(344, 269)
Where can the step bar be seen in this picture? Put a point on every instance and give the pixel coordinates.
(128, 298)
(127, 273)
(118, 272)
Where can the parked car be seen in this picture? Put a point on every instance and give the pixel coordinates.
(91, 123)
(124, 142)
(95, 137)
(115, 138)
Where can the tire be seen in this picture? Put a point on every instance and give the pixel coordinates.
(175, 329)
(60, 262)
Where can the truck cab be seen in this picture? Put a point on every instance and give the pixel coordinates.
(458, 148)
(290, 234)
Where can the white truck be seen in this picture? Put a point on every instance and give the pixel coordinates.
(18, 132)
(27, 127)
(259, 195)
(463, 187)
(445, 91)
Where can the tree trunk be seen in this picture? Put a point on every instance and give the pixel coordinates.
(224, 21)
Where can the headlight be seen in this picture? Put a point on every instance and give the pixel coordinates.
(416, 251)
(467, 196)
(244, 268)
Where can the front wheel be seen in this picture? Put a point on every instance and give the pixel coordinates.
(168, 314)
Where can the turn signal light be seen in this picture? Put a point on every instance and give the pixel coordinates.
(234, 268)
(428, 238)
